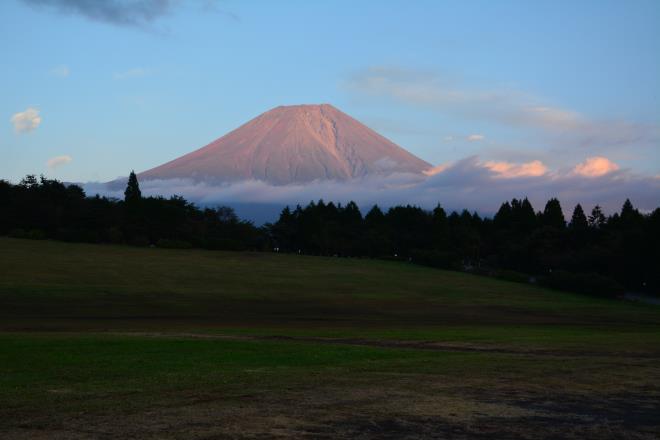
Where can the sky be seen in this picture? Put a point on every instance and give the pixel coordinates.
(561, 95)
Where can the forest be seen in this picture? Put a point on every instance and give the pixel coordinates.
(590, 253)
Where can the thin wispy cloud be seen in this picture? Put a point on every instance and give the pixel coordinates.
(211, 6)
(504, 106)
(135, 72)
(475, 137)
(510, 170)
(26, 121)
(61, 71)
(58, 161)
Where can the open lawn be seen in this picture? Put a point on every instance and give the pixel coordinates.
(117, 342)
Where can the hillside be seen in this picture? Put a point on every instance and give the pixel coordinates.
(114, 341)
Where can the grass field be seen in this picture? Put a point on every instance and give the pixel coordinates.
(119, 342)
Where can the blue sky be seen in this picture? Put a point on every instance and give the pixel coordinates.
(101, 92)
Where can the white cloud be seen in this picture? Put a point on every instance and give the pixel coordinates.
(595, 167)
(61, 71)
(475, 137)
(468, 183)
(26, 121)
(437, 169)
(58, 161)
(136, 72)
(510, 170)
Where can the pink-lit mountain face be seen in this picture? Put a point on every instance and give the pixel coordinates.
(293, 144)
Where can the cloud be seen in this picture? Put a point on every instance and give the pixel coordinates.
(511, 170)
(504, 106)
(26, 121)
(61, 71)
(136, 72)
(138, 13)
(58, 161)
(437, 169)
(126, 13)
(466, 184)
(595, 167)
(475, 137)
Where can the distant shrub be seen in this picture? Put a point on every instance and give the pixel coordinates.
(35, 234)
(139, 240)
(438, 259)
(173, 244)
(113, 235)
(513, 276)
(590, 283)
(224, 244)
(17, 233)
(77, 235)
(390, 258)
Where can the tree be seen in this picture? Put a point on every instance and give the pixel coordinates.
(226, 214)
(597, 218)
(439, 228)
(374, 217)
(553, 215)
(29, 181)
(629, 215)
(502, 219)
(376, 238)
(527, 218)
(578, 219)
(132, 192)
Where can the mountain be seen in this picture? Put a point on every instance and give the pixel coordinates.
(293, 144)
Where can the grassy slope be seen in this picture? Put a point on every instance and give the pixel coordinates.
(71, 286)
(56, 298)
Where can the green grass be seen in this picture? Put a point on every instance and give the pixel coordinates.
(44, 279)
(47, 285)
(92, 372)
(96, 329)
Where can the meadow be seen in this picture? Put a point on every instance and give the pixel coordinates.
(102, 341)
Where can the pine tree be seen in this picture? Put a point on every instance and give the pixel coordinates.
(527, 216)
(579, 220)
(553, 215)
(374, 217)
(503, 217)
(597, 218)
(132, 192)
(629, 215)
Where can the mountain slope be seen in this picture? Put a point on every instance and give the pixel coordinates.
(293, 144)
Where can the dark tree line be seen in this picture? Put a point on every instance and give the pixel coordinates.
(44, 208)
(592, 253)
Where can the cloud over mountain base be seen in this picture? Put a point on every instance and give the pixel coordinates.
(468, 184)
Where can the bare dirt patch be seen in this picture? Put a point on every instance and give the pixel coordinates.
(364, 412)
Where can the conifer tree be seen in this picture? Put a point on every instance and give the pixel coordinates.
(597, 218)
(132, 192)
(553, 215)
(579, 219)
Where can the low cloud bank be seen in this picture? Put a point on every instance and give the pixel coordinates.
(468, 183)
